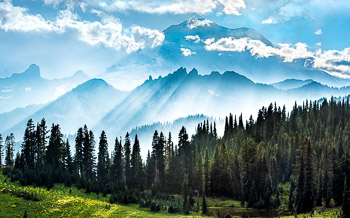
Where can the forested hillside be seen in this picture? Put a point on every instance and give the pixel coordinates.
(307, 148)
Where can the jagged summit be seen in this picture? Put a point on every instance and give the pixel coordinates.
(33, 72)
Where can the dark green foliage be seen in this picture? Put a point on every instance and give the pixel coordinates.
(204, 205)
(136, 168)
(1, 149)
(78, 159)
(117, 165)
(103, 161)
(88, 157)
(308, 148)
(29, 145)
(346, 201)
(9, 143)
(127, 153)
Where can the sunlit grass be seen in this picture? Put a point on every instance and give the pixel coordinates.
(61, 201)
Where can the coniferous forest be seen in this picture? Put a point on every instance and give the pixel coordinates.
(307, 148)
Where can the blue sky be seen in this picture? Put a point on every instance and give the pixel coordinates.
(64, 36)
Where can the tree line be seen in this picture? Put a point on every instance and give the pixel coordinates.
(307, 148)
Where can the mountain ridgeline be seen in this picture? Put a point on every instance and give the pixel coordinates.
(165, 99)
(28, 88)
(188, 35)
(305, 151)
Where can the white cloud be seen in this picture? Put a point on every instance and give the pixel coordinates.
(176, 6)
(333, 61)
(318, 32)
(209, 41)
(108, 32)
(187, 52)
(18, 19)
(28, 89)
(287, 12)
(195, 39)
(270, 20)
(232, 6)
(195, 23)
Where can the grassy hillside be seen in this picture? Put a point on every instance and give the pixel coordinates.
(61, 201)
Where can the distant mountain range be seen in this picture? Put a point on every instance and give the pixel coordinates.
(291, 84)
(29, 88)
(85, 104)
(184, 45)
(165, 99)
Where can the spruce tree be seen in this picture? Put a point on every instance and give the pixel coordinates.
(68, 162)
(88, 154)
(206, 172)
(78, 158)
(102, 164)
(346, 201)
(301, 182)
(1, 148)
(136, 165)
(150, 170)
(127, 154)
(117, 164)
(28, 145)
(204, 204)
(309, 196)
(199, 170)
(9, 150)
(41, 141)
(55, 148)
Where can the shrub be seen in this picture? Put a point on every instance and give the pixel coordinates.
(155, 206)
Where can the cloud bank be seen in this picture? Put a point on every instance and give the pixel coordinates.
(332, 61)
(230, 7)
(108, 32)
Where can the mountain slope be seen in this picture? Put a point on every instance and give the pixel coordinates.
(85, 104)
(291, 84)
(29, 87)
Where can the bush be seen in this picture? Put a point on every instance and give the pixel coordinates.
(155, 206)
(129, 196)
(174, 208)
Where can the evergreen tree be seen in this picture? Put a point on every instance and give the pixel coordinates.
(1, 148)
(41, 141)
(88, 154)
(248, 157)
(206, 172)
(55, 148)
(28, 145)
(301, 182)
(204, 204)
(150, 170)
(117, 164)
(127, 154)
(158, 156)
(102, 164)
(346, 201)
(199, 170)
(78, 158)
(68, 162)
(9, 143)
(136, 170)
(309, 196)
